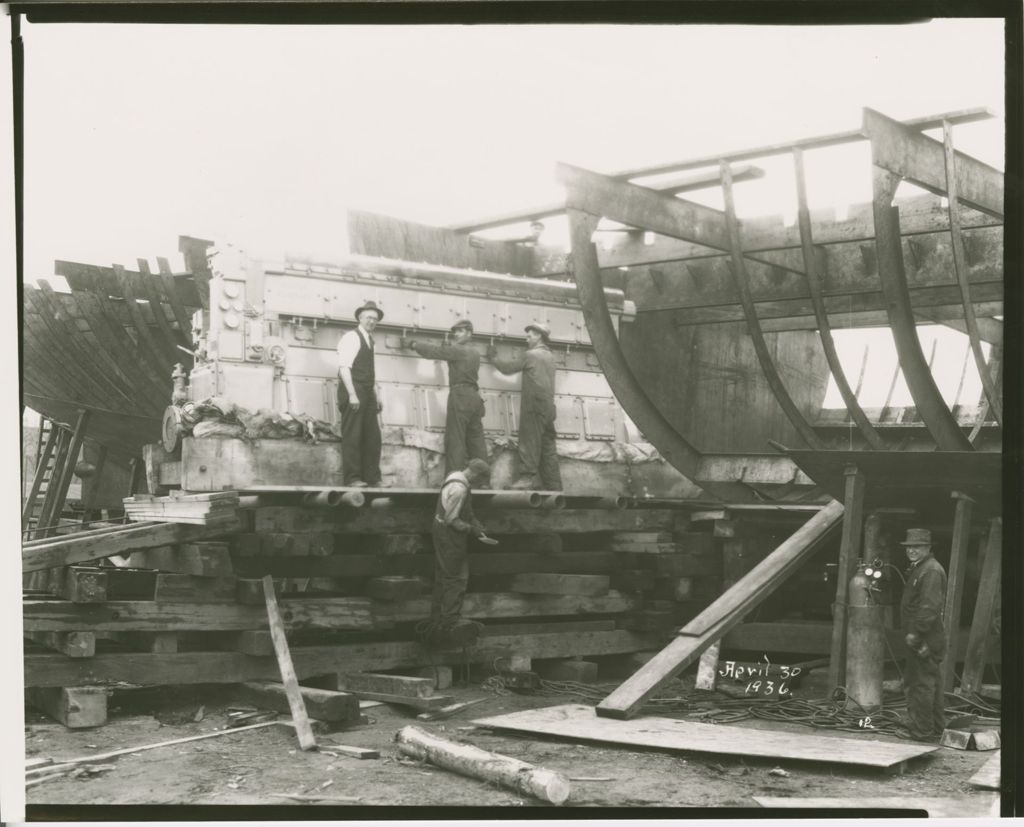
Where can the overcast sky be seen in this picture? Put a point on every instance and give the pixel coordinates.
(264, 135)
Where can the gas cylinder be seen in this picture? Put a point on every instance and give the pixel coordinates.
(865, 643)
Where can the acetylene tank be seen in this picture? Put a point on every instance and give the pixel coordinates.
(865, 642)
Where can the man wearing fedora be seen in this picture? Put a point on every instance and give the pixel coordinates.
(464, 420)
(921, 608)
(359, 402)
(538, 457)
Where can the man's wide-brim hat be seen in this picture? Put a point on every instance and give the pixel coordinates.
(918, 537)
(542, 329)
(370, 306)
(466, 323)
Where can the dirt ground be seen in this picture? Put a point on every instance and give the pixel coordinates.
(247, 768)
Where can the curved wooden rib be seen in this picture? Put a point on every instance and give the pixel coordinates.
(930, 405)
(814, 276)
(960, 266)
(146, 284)
(658, 430)
(49, 355)
(169, 294)
(739, 270)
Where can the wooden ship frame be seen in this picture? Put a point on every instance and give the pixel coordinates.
(718, 335)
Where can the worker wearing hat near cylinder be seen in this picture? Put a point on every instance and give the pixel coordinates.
(924, 595)
(359, 401)
(464, 422)
(538, 457)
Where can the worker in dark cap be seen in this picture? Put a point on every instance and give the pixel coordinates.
(454, 523)
(538, 457)
(924, 595)
(359, 401)
(464, 423)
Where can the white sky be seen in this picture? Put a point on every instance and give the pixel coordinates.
(264, 135)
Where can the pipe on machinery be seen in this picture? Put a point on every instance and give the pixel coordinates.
(515, 499)
(334, 498)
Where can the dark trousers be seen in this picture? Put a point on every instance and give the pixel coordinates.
(360, 435)
(463, 428)
(451, 572)
(538, 456)
(926, 705)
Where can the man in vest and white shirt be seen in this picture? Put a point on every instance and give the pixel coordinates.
(359, 402)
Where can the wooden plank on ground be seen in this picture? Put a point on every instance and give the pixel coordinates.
(989, 776)
(364, 682)
(284, 662)
(581, 723)
(973, 806)
(322, 704)
(77, 548)
(547, 583)
(148, 669)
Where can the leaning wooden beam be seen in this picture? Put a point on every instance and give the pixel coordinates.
(921, 159)
(80, 547)
(764, 357)
(466, 759)
(930, 404)
(721, 616)
(813, 259)
(960, 268)
(631, 395)
(42, 462)
(704, 180)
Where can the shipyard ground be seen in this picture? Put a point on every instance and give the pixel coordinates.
(249, 768)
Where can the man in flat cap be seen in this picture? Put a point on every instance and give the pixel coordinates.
(538, 457)
(454, 523)
(921, 608)
(464, 420)
(359, 401)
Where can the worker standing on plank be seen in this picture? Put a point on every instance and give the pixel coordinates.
(538, 456)
(453, 525)
(359, 401)
(921, 609)
(464, 422)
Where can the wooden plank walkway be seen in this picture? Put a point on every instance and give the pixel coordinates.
(981, 805)
(581, 723)
(988, 777)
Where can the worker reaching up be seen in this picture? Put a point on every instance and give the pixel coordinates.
(464, 421)
(454, 523)
(538, 456)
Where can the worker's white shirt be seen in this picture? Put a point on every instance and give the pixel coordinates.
(453, 495)
(348, 346)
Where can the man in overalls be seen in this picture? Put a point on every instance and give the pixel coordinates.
(359, 402)
(453, 525)
(538, 457)
(464, 421)
(921, 608)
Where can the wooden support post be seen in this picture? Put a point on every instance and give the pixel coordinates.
(42, 462)
(984, 608)
(735, 564)
(59, 459)
(849, 551)
(62, 482)
(284, 661)
(94, 485)
(955, 581)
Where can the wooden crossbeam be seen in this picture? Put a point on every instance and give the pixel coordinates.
(921, 159)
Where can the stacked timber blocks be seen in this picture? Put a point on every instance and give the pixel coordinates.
(196, 509)
(563, 590)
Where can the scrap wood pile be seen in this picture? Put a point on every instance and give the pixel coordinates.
(216, 509)
(573, 590)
